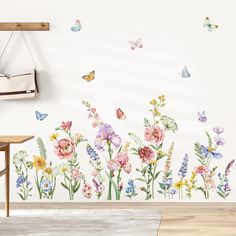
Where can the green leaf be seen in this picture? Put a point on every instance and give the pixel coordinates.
(154, 147)
(209, 139)
(201, 189)
(66, 187)
(162, 186)
(146, 122)
(139, 179)
(222, 195)
(41, 147)
(21, 196)
(159, 191)
(157, 174)
(148, 197)
(113, 184)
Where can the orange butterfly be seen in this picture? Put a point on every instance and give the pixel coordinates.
(120, 114)
(90, 76)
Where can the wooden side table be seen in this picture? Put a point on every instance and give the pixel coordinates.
(5, 142)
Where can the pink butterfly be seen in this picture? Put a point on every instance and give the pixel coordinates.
(120, 114)
(136, 44)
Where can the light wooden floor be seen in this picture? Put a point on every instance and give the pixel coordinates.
(178, 219)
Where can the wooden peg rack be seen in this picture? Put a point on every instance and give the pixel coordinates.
(25, 26)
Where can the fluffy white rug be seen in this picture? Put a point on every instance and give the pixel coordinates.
(81, 222)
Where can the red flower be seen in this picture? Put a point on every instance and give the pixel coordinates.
(146, 154)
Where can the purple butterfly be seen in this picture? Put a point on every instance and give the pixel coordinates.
(218, 130)
(202, 117)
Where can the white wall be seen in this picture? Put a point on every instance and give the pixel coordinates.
(173, 36)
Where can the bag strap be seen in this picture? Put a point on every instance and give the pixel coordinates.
(23, 36)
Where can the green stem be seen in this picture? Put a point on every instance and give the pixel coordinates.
(109, 197)
(153, 181)
(118, 185)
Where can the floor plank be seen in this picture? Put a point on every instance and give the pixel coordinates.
(178, 219)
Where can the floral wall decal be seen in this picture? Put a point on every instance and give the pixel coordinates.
(113, 175)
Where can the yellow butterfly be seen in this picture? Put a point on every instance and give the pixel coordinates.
(90, 76)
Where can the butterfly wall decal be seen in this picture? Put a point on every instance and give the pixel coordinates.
(89, 77)
(76, 27)
(40, 116)
(136, 44)
(202, 117)
(120, 114)
(209, 25)
(185, 73)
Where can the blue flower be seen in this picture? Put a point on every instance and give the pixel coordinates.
(184, 167)
(21, 179)
(92, 153)
(168, 182)
(128, 190)
(131, 183)
(46, 185)
(209, 152)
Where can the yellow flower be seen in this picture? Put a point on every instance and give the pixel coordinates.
(126, 147)
(39, 163)
(153, 102)
(54, 136)
(179, 184)
(153, 162)
(48, 170)
(162, 100)
(156, 112)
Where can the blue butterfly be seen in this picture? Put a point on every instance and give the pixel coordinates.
(76, 27)
(185, 73)
(202, 116)
(40, 116)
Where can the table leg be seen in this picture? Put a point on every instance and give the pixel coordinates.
(7, 179)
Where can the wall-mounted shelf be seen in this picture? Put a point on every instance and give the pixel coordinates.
(26, 26)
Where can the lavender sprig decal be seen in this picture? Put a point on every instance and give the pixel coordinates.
(98, 180)
(182, 174)
(224, 188)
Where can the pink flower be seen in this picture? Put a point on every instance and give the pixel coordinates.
(146, 154)
(64, 149)
(201, 170)
(113, 165)
(127, 167)
(65, 126)
(87, 191)
(122, 158)
(95, 173)
(120, 161)
(154, 135)
(76, 174)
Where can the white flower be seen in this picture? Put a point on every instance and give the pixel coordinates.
(20, 157)
(62, 169)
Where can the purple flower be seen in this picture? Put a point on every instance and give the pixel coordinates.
(228, 167)
(173, 192)
(219, 141)
(106, 135)
(209, 152)
(184, 167)
(92, 153)
(226, 187)
(218, 130)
